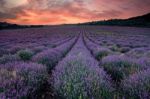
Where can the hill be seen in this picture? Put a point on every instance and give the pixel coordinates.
(5, 25)
(139, 21)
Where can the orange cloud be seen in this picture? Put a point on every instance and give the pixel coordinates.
(44, 17)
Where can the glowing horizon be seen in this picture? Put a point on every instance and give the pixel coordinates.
(42, 12)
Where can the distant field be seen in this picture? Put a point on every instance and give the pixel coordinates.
(75, 62)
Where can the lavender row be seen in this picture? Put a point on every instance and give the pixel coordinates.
(126, 39)
(26, 54)
(35, 47)
(119, 66)
(131, 74)
(50, 57)
(19, 80)
(98, 51)
(12, 41)
(78, 76)
(134, 45)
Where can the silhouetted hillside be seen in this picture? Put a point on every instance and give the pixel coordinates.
(5, 25)
(139, 21)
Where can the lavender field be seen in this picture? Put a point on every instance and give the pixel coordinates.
(75, 62)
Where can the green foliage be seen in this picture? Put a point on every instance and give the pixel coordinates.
(25, 54)
(101, 54)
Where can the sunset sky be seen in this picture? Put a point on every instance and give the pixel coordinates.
(69, 11)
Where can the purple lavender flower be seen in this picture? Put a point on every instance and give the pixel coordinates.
(3, 52)
(137, 86)
(20, 80)
(9, 58)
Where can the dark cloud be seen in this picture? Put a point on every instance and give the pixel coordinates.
(7, 15)
(2, 2)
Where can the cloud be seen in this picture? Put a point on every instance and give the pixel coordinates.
(14, 3)
(7, 15)
(69, 11)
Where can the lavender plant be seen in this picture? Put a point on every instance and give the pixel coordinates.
(137, 86)
(124, 49)
(38, 49)
(120, 66)
(144, 62)
(8, 58)
(3, 52)
(137, 52)
(20, 80)
(101, 52)
(97, 51)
